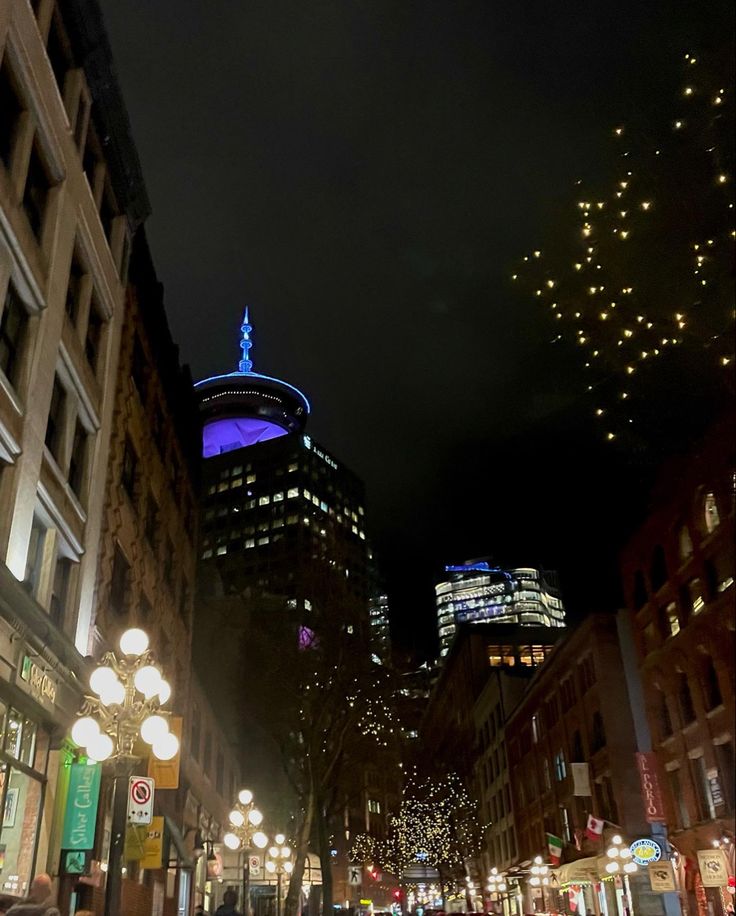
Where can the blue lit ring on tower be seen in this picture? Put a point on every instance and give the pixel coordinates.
(243, 408)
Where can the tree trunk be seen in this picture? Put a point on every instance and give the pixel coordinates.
(293, 897)
(325, 859)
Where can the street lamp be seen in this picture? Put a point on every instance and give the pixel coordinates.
(128, 693)
(279, 863)
(245, 819)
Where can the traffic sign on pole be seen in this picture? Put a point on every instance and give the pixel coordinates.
(140, 800)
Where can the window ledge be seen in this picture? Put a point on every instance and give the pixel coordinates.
(715, 711)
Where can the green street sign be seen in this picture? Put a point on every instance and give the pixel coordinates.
(81, 806)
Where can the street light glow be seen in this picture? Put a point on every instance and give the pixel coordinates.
(133, 642)
(236, 818)
(231, 841)
(260, 840)
(255, 817)
(245, 796)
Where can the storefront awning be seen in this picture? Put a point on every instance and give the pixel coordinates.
(185, 857)
(580, 872)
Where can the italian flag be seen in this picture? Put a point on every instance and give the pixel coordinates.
(554, 845)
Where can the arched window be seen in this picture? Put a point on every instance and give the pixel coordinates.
(640, 591)
(686, 543)
(598, 736)
(687, 710)
(710, 512)
(658, 572)
(665, 720)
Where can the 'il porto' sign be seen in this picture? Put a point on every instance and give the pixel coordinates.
(650, 791)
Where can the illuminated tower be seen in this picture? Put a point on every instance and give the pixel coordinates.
(479, 592)
(281, 516)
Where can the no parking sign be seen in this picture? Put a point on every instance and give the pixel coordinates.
(140, 800)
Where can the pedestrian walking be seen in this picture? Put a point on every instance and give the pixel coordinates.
(227, 907)
(37, 903)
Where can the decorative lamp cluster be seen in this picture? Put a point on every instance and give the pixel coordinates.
(245, 819)
(496, 882)
(649, 273)
(619, 858)
(539, 873)
(128, 694)
(279, 857)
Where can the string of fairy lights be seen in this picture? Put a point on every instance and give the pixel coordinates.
(436, 825)
(651, 271)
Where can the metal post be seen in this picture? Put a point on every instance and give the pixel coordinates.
(246, 882)
(278, 895)
(113, 883)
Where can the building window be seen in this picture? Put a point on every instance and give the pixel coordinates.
(670, 620)
(586, 674)
(546, 779)
(560, 766)
(75, 286)
(11, 108)
(578, 756)
(59, 52)
(60, 591)
(710, 512)
(711, 687)
(686, 543)
(374, 806)
(685, 699)
(702, 788)
(55, 422)
(640, 591)
(35, 557)
(598, 733)
(566, 827)
(108, 211)
(95, 329)
(36, 193)
(119, 583)
(724, 757)
(129, 470)
(567, 690)
(78, 460)
(12, 334)
(608, 807)
(682, 815)
(139, 370)
(665, 720)
(658, 572)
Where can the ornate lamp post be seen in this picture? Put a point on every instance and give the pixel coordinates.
(129, 692)
(279, 863)
(620, 860)
(245, 819)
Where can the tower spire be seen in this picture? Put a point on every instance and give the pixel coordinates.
(245, 364)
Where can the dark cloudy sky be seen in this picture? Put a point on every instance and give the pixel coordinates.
(363, 173)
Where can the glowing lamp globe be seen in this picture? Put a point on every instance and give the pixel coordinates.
(288, 867)
(285, 852)
(612, 867)
(270, 866)
(164, 692)
(612, 853)
(625, 853)
(502, 886)
(100, 747)
(100, 678)
(255, 817)
(630, 868)
(112, 693)
(236, 818)
(153, 729)
(245, 796)
(133, 642)
(148, 681)
(617, 841)
(85, 730)
(279, 839)
(166, 747)
(260, 840)
(231, 841)
(273, 852)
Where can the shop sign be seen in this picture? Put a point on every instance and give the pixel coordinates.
(645, 851)
(81, 806)
(651, 793)
(153, 845)
(713, 866)
(40, 685)
(714, 784)
(165, 773)
(662, 877)
(75, 862)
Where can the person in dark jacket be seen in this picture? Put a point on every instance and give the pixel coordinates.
(227, 907)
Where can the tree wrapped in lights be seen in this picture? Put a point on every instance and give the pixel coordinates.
(640, 284)
(436, 825)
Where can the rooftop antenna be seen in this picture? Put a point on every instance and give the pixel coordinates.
(245, 364)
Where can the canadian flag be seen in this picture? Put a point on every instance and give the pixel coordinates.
(594, 827)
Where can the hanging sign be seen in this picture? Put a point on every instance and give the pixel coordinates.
(650, 791)
(662, 877)
(81, 806)
(354, 875)
(713, 866)
(153, 845)
(255, 866)
(645, 851)
(140, 800)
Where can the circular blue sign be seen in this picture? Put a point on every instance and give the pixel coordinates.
(645, 851)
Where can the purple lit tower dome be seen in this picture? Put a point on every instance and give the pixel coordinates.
(244, 407)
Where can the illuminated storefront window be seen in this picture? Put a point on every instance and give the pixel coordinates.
(22, 767)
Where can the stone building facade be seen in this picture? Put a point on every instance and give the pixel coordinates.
(678, 572)
(71, 196)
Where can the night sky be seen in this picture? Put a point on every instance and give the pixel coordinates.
(363, 174)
